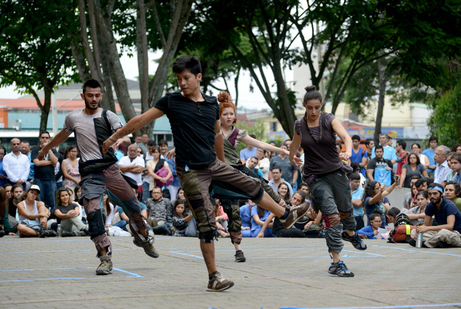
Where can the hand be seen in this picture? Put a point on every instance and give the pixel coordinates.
(170, 153)
(11, 234)
(296, 161)
(422, 228)
(284, 151)
(19, 182)
(283, 203)
(397, 178)
(107, 143)
(308, 225)
(2, 176)
(388, 168)
(260, 235)
(345, 155)
(382, 187)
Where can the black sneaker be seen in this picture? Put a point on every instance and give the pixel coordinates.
(218, 283)
(105, 267)
(43, 233)
(148, 247)
(355, 240)
(239, 257)
(2, 233)
(68, 234)
(52, 233)
(86, 231)
(339, 269)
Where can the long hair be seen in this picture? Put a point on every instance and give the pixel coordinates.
(369, 189)
(225, 101)
(58, 195)
(176, 203)
(418, 161)
(3, 202)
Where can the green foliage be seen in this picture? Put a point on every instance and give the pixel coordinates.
(446, 119)
(256, 128)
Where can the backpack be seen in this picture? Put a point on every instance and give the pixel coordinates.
(402, 229)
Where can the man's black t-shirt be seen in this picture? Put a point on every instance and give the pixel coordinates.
(193, 127)
(45, 173)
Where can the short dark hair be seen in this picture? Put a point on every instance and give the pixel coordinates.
(186, 62)
(255, 158)
(303, 184)
(402, 143)
(91, 83)
(302, 193)
(415, 177)
(276, 167)
(379, 147)
(421, 182)
(162, 142)
(394, 211)
(356, 137)
(45, 132)
(151, 142)
(456, 185)
(433, 138)
(457, 157)
(368, 141)
(354, 176)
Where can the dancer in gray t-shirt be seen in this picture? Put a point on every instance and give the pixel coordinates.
(99, 171)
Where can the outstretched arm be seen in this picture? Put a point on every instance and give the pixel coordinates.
(57, 140)
(258, 144)
(133, 125)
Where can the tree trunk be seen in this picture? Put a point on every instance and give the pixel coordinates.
(45, 108)
(108, 100)
(143, 60)
(382, 94)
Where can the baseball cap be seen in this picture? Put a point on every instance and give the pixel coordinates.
(35, 187)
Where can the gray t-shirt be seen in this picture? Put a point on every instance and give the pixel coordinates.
(83, 127)
(410, 173)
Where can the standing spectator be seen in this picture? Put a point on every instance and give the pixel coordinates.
(456, 148)
(248, 152)
(430, 152)
(388, 151)
(380, 169)
(143, 143)
(163, 148)
(70, 168)
(410, 169)
(176, 184)
(359, 155)
(44, 175)
(370, 144)
(402, 155)
(3, 178)
(117, 152)
(158, 166)
(145, 173)
(16, 165)
(277, 180)
(132, 166)
(25, 150)
(289, 171)
(416, 148)
(357, 200)
(442, 169)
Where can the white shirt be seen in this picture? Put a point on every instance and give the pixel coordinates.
(16, 167)
(138, 161)
(441, 172)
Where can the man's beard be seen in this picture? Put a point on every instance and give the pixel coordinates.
(87, 105)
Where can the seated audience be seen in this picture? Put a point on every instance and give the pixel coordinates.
(33, 215)
(109, 211)
(258, 217)
(375, 197)
(456, 167)
(448, 217)
(180, 219)
(371, 231)
(18, 196)
(357, 199)
(283, 192)
(157, 207)
(5, 226)
(277, 179)
(221, 219)
(417, 213)
(69, 212)
(245, 216)
(452, 192)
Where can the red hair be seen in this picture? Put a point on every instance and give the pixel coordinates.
(225, 101)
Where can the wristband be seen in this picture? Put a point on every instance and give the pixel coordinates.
(112, 139)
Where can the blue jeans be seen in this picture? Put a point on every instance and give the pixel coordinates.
(47, 191)
(145, 192)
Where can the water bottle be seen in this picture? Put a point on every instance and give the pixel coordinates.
(59, 230)
(419, 240)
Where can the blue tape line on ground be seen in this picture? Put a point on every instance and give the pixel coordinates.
(381, 307)
(423, 251)
(195, 256)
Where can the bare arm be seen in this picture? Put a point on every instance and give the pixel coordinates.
(66, 174)
(357, 203)
(265, 225)
(293, 149)
(256, 143)
(370, 173)
(391, 188)
(132, 126)
(403, 176)
(57, 140)
(218, 142)
(429, 227)
(53, 158)
(342, 133)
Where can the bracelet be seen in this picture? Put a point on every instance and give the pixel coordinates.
(112, 139)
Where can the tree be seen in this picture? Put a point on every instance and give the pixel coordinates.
(33, 37)
(145, 26)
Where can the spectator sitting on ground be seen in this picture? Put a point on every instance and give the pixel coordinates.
(375, 197)
(5, 226)
(221, 219)
(456, 167)
(423, 183)
(263, 163)
(108, 211)
(157, 207)
(18, 196)
(410, 197)
(410, 169)
(245, 216)
(452, 192)
(448, 217)
(8, 191)
(121, 219)
(304, 187)
(356, 169)
(357, 199)
(417, 213)
(180, 219)
(277, 179)
(371, 231)
(258, 217)
(69, 213)
(283, 192)
(252, 165)
(33, 215)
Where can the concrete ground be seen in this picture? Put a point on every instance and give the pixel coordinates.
(279, 273)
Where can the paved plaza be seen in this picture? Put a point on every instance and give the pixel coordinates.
(279, 273)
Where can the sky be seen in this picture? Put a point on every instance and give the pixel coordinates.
(247, 99)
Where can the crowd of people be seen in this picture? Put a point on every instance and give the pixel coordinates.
(311, 186)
